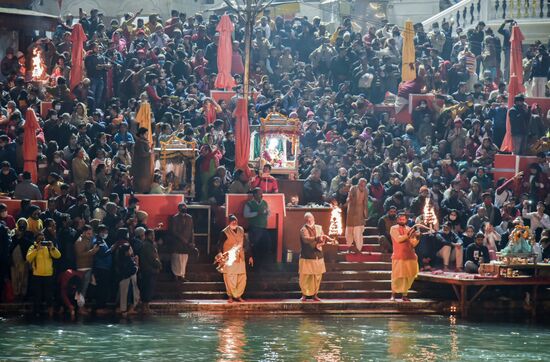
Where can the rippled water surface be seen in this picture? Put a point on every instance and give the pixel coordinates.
(273, 338)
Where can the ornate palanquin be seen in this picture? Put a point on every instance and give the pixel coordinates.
(280, 143)
(176, 159)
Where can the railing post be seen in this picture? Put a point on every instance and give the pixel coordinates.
(504, 6)
(486, 10)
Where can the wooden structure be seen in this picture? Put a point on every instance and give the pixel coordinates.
(161, 207)
(460, 282)
(14, 206)
(234, 204)
(176, 159)
(280, 144)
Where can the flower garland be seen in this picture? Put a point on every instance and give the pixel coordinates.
(521, 231)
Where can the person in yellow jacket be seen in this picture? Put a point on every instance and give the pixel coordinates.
(40, 256)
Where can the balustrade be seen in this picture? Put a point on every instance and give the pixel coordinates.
(468, 13)
(519, 9)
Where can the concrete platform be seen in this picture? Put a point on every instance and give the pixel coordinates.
(295, 306)
(277, 306)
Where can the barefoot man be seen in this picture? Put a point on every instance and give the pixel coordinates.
(404, 261)
(312, 264)
(233, 247)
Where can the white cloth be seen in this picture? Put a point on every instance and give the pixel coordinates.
(179, 264)
(538, 87)
(448, 253)
(124, 285)
(355, 233)
(491, 240)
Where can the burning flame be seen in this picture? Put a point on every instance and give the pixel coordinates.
(428, 214)
(232, 255)
(335, 227)
(38, 68)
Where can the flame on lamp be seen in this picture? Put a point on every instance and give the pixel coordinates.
(38, 68)
(232, 255)
(335, 227)
(428, 215)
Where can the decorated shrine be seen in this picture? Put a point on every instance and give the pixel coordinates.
(279, 144)
(176, 159)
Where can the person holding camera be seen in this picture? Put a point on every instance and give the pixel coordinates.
(40, 256)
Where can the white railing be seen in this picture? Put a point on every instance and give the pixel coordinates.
(464, 14)
(467, 13)
(519, 9)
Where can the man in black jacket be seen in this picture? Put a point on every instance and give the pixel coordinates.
(539, 72)
(313, 188)
(519, 119)
(476, 254)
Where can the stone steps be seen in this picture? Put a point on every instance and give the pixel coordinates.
(264, 306)
(364, 257)
(293, 267)
(367, 239)
(289, 294)
(369, 248)
(287, 275)
(294, 306)
(270, 285)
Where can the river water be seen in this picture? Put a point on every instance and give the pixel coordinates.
(193, 337)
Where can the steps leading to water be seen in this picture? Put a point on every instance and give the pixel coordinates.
(349, 276)
(294, 306)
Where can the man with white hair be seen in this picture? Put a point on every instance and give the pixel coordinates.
(234, 249)
(312, 265)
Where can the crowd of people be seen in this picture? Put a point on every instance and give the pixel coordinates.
(92, 151)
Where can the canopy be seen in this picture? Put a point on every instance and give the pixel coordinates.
(78, 38)
(242, 135)
(224, 79)
(408, 64)
(30, 145)
(516, 81)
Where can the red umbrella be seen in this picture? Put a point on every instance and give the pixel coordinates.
(516, 56)
(507, 143)
(30, 146)
(242, 135)
(516, 81)
(224, 79)
(78, 38)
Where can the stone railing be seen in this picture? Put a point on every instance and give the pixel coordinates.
(467, 13)
(519, 9)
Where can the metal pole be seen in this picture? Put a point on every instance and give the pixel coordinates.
(247, 40)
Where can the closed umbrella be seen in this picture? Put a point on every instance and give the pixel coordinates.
(513, 90)
(516, 56)
(242, 135)
(30, 145)
(78, 38)
(224, 79)
(408, 71)
(143, 119)
(516, 81)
